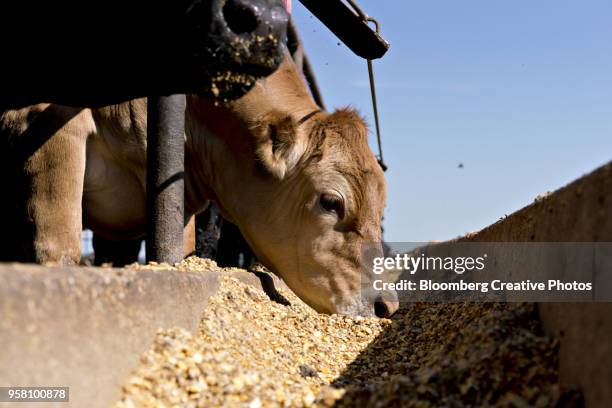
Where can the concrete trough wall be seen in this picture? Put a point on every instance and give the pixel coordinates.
(86, 328)
(579, 212)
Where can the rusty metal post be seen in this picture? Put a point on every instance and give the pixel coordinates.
(165, 178)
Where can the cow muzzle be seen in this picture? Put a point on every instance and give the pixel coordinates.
(385, 304)
(236, 42)
(372, 304)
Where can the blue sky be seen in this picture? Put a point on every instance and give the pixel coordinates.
(518, 91)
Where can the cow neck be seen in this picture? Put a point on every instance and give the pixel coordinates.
(214, 137)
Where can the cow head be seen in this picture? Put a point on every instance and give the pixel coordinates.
(302, 185)
(322, 205)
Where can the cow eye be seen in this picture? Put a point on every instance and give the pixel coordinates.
(332, 203)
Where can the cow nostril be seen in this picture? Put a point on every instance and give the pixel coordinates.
(240, 18)
(381, 309)
(384, 308)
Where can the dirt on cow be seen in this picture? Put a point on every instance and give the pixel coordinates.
(254, 352)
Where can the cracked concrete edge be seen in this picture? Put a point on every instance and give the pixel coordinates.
(86, 328)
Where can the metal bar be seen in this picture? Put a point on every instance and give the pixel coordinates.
(312, 82)
(165, 178)
(294, 40)
(349, 27)
(381, 160)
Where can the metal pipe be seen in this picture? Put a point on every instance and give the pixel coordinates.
(350, 26)
(312, 82)
(165, 178)
(294, 41)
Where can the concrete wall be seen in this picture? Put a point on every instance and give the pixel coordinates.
(579, 212)
(86, 328)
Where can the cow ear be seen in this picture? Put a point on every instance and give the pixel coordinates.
(278, 149)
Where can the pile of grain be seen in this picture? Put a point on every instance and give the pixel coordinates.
(253, 352)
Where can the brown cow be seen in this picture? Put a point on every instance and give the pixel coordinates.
(301, 184)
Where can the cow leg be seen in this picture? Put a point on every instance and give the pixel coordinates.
(233, 250)
(208, 231)
(125, 252)
(221, 240)
(47, 171)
